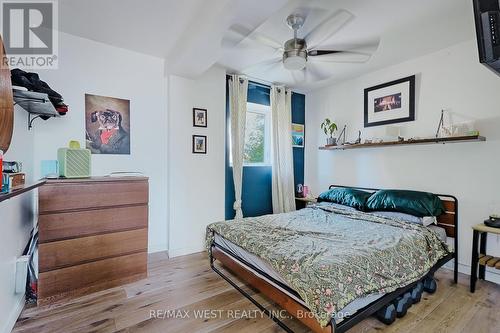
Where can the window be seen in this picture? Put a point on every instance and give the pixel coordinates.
(257, 149)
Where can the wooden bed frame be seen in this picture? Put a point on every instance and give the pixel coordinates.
(275, 290)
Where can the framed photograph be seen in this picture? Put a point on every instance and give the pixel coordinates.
(298, 135)
(107, 125)
(199, 117)
(199, 144)
(390, 103)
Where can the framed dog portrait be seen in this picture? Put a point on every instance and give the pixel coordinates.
(107, 125)
(200, 117)
(389, 103)
(199, 144)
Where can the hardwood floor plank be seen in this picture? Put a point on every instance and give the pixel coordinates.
(188, 285)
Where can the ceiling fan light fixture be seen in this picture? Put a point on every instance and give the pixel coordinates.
(295, 54)
(294, 63)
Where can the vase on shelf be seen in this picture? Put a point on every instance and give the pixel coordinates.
(331, 141)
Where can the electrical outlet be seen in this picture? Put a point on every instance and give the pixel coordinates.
(21, 273)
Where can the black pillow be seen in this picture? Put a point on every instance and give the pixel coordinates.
(346, 196)
(409, 202)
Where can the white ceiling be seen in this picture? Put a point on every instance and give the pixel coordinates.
(189, 33)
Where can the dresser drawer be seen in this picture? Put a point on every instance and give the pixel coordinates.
(56, 197)
(96, 275)
(60, 254)
(58, 226)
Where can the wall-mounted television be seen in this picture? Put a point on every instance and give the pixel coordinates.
(487, 16)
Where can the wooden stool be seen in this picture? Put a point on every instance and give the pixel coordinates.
(479, 257)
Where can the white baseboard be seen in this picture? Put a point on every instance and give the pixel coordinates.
(157, 248)
(16, 311)
(491, 275)
(185, 251)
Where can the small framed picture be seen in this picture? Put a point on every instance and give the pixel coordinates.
(298, 135)
(199, 144)
(390, 103)
(199, 117)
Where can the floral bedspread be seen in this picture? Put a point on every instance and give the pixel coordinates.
(331, 256)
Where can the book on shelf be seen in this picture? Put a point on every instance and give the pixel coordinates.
(12, 181)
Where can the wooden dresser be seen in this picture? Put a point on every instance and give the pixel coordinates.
(93, 235)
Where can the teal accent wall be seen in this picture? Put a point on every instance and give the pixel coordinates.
(256, 193)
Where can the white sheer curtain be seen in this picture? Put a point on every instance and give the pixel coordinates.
(282, 177)
(238, 90)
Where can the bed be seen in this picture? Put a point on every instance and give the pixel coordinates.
(328, 266)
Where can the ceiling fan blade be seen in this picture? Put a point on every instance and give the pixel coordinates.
(313, 73)
(262, 66)
(338, 56)
(299, 76)
(328, 28)
(237, 33)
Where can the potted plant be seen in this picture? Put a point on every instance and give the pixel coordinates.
(329, 127)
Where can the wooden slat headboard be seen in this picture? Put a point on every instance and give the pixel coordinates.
(448, 220)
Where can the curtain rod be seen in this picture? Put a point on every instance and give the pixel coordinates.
(255, 82)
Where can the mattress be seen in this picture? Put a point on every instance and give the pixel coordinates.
(263, 266)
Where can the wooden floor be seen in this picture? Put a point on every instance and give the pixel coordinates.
(186, 286)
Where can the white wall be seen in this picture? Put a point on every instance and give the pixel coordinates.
(86, 66)
(451, 78)
(196, 181)
(16, 222)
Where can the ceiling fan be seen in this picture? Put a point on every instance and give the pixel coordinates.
(303, 57)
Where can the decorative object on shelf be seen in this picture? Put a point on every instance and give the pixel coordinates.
(299, 191)
(12, 175)
(11, 167)
(329, 127)
(305, 191)
(50, 169)
(6, 103)
(200, 117)
(302, 191)
(12, 181)
(199, 144)
(445, 125)
(107, 123)
(452, 124)
(358, 140)
(392, 131)
(374, 143)
(391, 102)
(74, 162)
(341, 138)
(298, 135)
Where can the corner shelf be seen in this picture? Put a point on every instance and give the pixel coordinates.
(20, 190)
(36, 104)
(453, 139)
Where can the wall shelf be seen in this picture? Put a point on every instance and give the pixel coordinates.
(20, 190)
(454, 139)
(36, 104)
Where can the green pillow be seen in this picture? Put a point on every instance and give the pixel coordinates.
(346, 196)
(410, 202)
